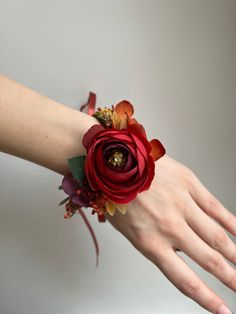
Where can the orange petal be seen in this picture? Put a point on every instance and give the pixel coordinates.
(138, 128)
(124, 109)
(116, 120)
(123, 123)
(158, 149)
(120, 118)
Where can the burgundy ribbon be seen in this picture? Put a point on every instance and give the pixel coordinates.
(90, 105)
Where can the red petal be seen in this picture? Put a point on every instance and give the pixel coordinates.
(158, 149)
(150, 177)
(90, 134)
(132, 121)
(119, 177)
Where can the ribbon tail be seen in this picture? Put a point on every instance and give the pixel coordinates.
(91, 103)
(92, 234)
(101, 217)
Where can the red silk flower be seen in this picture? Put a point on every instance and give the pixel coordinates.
(120, 163)
(120, 159)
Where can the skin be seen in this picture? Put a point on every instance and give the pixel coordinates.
(179, 214)
(176, 214)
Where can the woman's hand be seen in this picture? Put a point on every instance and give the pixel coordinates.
(175, 214)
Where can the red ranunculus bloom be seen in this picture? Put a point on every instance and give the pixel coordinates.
(120, 163)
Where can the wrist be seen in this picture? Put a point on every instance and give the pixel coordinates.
(74, 126)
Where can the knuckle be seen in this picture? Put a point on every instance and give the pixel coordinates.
(190, 176)
(233, 255)
(179, 200)
(214, 302)
(139, 241)
(213, 206)
(220, 239)
(170, 226)
(232, 282)
(214, 262)
(146, 245)
(186, 170)
(156, 251)
(190, 287)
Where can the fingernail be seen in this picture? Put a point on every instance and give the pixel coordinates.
(223, 310)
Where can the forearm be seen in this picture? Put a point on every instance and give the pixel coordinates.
(39, 129)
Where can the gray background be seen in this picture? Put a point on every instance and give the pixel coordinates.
(175, 61)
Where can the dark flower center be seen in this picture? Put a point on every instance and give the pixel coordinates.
(117, 157)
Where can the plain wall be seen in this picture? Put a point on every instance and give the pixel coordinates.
(175, 61)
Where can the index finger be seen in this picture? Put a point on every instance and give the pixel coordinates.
(185, 279)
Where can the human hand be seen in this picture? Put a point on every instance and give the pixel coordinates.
(175, 214)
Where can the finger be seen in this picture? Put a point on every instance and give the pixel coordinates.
(208, 230)
(211, 205)
(185, 279)
(208, 258)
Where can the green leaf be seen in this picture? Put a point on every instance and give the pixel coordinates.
(76, 165)
(64, 201)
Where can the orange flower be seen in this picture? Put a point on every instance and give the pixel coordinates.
(121, 119)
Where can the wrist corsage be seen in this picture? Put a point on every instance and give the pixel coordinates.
(120, 163)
